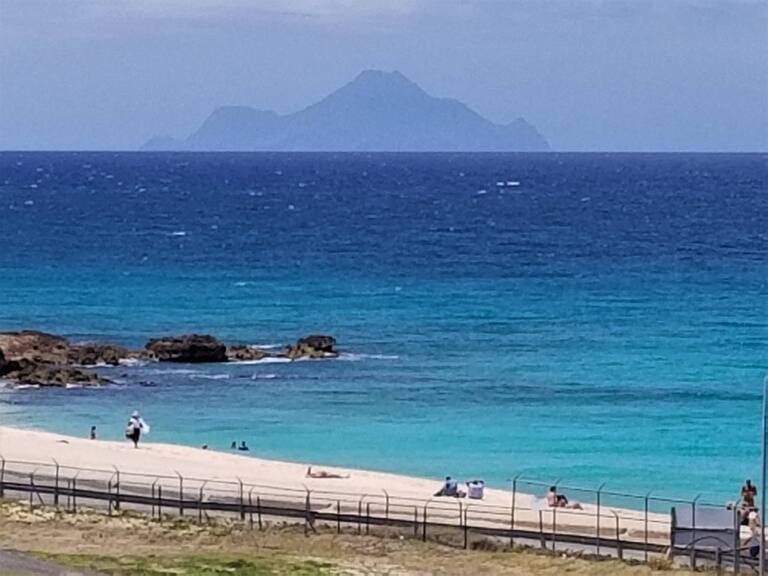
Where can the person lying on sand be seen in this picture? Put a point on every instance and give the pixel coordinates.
(555, 500)
(324, 474)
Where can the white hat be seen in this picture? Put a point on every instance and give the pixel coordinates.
(135, 414)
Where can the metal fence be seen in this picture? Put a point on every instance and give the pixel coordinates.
(604, 528)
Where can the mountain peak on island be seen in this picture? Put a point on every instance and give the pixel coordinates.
(381, 79)
(376, 111)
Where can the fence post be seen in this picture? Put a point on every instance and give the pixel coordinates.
(367, 517)
(718, 561)
(693, 537)
(541, 530)
(181, 494)
(424, 526)
(2, 477)
(307, 505)
(154, 500)
(160, 503)
(554, 529)
(466, 530)
(258, 511)
(31, 487)
(200, 503)
(360, 515)
(619, 551)
(736, 541)
(386, 504)
(597, 520)
(338, 516)
(109, 497)
(415, 521)
(74, 492)
(645, 527)
(512, 511)
(693, 557)
(242, 501)
(117, 489)
(250, 508)
(56, 485)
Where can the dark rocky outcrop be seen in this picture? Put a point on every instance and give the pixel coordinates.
(192, 348)
(37, 347)
(90, 354)
(33, 357)
(241, 353)
(315, 346)
(26, 372)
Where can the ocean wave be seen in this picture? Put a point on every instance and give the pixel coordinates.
(357, 357)
(210, 376)
(173, 371)
(132, 362)
(263, 376)
(267, 360)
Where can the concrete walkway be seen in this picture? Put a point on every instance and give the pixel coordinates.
(18, 564)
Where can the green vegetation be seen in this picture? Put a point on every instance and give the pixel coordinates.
(209, 565)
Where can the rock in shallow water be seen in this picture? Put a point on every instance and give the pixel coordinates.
(192, 348)
(241, 353)
(89, 354)
(37, 347)
(314, 346)
(28, 372)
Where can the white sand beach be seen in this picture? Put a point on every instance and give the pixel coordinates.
(170, 460)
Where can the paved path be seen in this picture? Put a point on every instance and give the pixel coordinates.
(17, 564)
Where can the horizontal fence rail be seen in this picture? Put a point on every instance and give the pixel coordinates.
(602, 530)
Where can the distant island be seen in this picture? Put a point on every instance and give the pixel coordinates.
(377, 111)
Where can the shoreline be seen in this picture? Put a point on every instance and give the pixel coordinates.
(171, 460)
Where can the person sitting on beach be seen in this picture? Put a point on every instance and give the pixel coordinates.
(555, 500)
(323, 474)
(450, 488)
(747, 500)
(93, 432)
(136, 426)
(243, 447)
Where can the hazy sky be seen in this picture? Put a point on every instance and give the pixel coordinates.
(590, 74)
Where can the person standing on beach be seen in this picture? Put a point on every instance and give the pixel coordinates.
(136, 426)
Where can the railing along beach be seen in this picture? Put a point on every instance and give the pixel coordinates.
(635, 530)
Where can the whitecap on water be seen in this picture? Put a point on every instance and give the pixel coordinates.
(352, 357)
(210, 376)
(132, 362)
(513, 183)
(173, 371)
(263, 376)
(270, 360)
(178, 233)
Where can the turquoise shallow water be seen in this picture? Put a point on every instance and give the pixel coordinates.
(602, 320)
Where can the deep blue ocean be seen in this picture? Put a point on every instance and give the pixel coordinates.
(589, 317)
